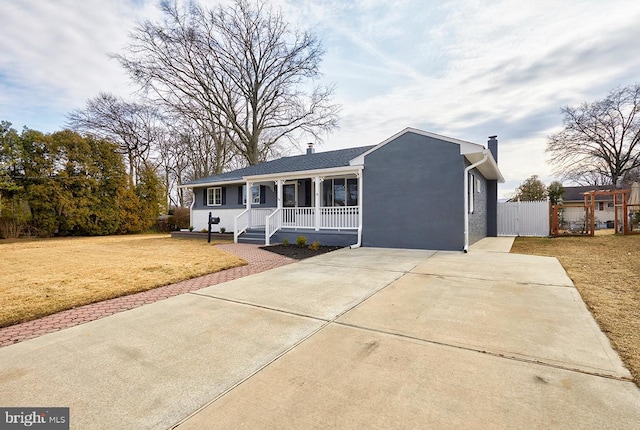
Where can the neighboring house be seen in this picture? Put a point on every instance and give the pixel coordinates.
(414, 190)
(573, 206)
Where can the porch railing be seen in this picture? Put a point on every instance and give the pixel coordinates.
(273, 223)
(240, 224)
(298, 217)
(334, 218)
(254, 218)
(339, 217)
(258, 217)
(330, 218)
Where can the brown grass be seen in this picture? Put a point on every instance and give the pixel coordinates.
(606, 271)
(41, 277)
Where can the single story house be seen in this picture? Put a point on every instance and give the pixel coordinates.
(573, 206)
(414, 190)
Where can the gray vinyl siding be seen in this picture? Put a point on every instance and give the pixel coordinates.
(231, 200)
(478, 219)
(413, 195)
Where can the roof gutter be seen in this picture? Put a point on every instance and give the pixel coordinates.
(466, 197)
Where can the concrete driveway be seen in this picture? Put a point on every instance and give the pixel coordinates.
(365, 338)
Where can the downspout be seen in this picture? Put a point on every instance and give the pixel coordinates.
(193, 203)
(466, 197)
(358, 244)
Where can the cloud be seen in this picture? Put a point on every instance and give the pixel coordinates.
(463, 68)
(54, 55)
(502, 68)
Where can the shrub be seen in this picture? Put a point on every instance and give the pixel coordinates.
(301, 241)
(180, 218)
(315, 246)
(204, 230)
(285, 242)
(163, 224)
(222, 229)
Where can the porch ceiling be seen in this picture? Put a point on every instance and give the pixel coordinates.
(336, 171)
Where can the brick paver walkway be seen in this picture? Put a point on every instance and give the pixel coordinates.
(258, 259)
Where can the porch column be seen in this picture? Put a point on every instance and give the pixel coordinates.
(249, 197)
(279, 184)
(317, 181)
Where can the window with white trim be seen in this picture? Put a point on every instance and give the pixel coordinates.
(340, 192)
(255, 194)
(214, 196)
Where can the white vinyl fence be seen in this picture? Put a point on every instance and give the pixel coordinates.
(523, 219)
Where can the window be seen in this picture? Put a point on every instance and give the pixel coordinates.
(255, 195)
(214, 196)
(600, 206)
(340, 192)
(610, 205)
(352, 192)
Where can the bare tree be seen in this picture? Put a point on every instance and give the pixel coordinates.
(595, 174)
(238, 71)
(135, 127)
(630, 177)
(600, 139)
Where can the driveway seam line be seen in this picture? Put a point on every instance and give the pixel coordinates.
(254, 305)
(482, 351)
(360, 268)
(248, 377)
(276, 358)
(490, 279)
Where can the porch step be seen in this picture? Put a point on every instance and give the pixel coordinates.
(255, 236)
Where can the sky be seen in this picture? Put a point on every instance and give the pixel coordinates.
(467, 69)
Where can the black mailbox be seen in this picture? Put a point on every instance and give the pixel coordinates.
(212, 220)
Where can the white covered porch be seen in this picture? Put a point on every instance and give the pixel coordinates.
(334, 203)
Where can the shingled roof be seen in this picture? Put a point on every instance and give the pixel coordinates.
(572, 194)
(297, 163)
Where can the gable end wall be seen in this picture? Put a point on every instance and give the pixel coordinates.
(413, 195)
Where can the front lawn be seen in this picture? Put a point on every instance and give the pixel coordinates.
(606, 271)
(43, 276)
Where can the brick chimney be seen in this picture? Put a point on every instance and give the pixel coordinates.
(493, 147)
(310, 149)
(492, 193)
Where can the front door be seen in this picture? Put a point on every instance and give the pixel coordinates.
(289, 194)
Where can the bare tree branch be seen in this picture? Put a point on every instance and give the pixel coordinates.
(133, 126)
(238, 71)
(600, 141)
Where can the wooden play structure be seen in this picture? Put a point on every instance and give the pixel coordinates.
(622, 211)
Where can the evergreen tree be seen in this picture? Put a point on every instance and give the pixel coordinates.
(532, 189)
(555, 190)
(150, 192)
